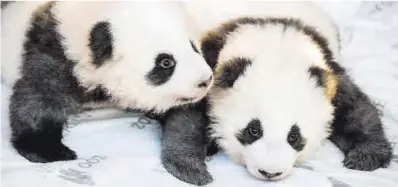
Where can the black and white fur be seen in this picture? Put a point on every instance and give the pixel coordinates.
(279, 89)
(64, 57)
(183, 142)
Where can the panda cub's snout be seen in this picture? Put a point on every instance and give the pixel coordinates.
(273, 171)
(269, 175)
(272, 176)
(199, 86)
(203, 84)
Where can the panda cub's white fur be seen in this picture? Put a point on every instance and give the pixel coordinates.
(278, 91)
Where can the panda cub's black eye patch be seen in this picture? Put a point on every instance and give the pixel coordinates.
(295, 139)
(252, 132)
(163, 69)
(101, 43)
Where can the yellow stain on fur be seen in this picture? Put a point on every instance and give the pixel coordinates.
(218, 69)
(41, 13)
(331, 82)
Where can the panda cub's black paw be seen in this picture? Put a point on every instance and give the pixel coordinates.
(188, 170)
(44, 154)
(369, 156)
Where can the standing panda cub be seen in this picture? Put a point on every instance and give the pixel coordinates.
(279, 90)
(62, 57)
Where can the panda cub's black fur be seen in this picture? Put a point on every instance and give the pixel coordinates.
(357, 129)
(43, 97)
(184, 132)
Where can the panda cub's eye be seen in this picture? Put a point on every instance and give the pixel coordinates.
(293, 136)
(254, 131)
(165, 61)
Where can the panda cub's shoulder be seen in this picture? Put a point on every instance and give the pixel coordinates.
(32, 27)
(15, 21)
(43, 40)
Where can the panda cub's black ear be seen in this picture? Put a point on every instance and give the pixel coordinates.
(231, 71)
(101, 43)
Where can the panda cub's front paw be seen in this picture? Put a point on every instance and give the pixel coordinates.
(45, 152)
(188, 170)
(369, 156)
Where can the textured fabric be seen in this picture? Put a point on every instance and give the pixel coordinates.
(123, 150)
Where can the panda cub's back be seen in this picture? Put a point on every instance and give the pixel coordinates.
(15, 21)
(74, 22)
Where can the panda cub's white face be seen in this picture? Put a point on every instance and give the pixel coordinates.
(152, 66)
(168, 70)
(267, 109)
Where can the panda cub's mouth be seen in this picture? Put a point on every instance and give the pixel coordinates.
(186, 99)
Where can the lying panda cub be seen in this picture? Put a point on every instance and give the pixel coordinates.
(63, 57)
(279, 90)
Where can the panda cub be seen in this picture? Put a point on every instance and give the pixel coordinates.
(64, 57)
(279, 90)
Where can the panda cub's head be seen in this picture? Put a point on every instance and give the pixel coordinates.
(271, 104)
(140, 54)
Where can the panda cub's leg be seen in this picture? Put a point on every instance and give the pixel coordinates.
(37, 117)
(357, 129)
(184, 143)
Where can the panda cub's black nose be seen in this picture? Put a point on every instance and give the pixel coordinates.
(269, 175)
(205, 83)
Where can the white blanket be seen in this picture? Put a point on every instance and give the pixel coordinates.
(118, 149)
